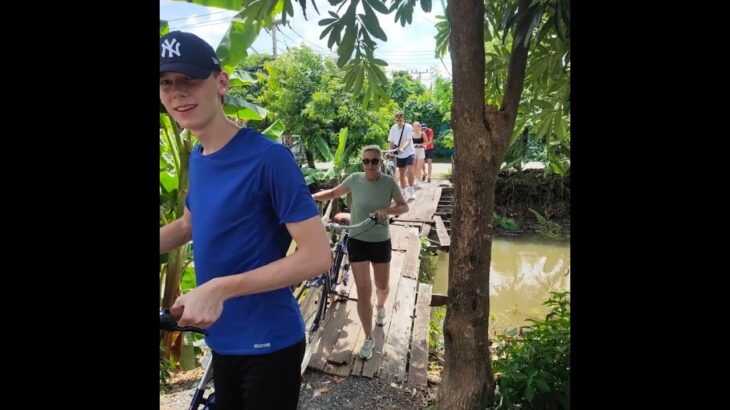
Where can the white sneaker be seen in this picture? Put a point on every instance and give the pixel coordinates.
(366, 352)
(412, 195)
(380, 316)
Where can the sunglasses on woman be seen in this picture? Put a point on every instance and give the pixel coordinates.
(374, 161)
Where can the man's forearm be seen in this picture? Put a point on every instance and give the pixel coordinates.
(291, 270)
(173, 235)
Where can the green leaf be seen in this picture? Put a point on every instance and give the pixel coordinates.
(443, 33)
(168, 181)
(544, 105)
(529, 393)
(347, 45)
(275, 130)
(564, 6)
(241, 77)
(366, 100)
(378, 5)
(379, 73)
(426, 5)
(536, 17)
(340, 153)
(288, 10)
(369, 43)
(372, 24)
(542, 385)
(407, 15)
(541, 219)
(325, 31)
(310, 171)
(325, 22)
(545, 29)
(233, 46)
(313, 175)
(187, 281)
(240, 108)
(349, 78)
(380, 62)
(164, 28)
(323, 149)
(357, 87)
(546, 119)
(335, 35)
(330, 174)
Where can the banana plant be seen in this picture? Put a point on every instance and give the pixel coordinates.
(175, 148)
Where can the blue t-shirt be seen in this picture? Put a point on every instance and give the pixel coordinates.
(239, 198)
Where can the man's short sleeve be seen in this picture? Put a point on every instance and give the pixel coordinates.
(283, 184)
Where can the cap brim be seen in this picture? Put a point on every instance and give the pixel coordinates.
(187, 69)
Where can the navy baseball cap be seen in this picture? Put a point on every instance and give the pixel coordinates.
(188, 54)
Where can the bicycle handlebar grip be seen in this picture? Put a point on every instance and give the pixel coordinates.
(167, 322)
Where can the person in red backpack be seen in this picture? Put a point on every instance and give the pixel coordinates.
(428, 145)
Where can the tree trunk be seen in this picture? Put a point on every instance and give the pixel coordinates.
(481, 134)
(310, 158)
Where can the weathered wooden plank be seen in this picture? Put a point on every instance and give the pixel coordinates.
(395, 349)
(418, 366)
(443, 235)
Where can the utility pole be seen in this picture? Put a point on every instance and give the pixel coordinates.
(419, 73)
(273, 34)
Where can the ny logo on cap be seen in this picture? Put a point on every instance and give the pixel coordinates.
(167, 46)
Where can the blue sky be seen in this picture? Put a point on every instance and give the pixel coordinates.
(408, 48)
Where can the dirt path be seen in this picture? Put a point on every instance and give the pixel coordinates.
(318, 391)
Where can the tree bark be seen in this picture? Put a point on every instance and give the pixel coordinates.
(481, 134)
(310, 158)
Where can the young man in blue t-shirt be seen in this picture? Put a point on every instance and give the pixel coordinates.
(247, 199)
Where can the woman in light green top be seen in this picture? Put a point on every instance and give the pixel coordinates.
(372, 192)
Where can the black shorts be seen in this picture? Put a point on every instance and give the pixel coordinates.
(375, 252)
(267, 381)
(429, 153)
(402, 162)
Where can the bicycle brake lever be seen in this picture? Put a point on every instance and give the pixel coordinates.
(192, 329)
(167, 322)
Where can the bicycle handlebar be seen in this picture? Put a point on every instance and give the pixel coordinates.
(168, 322)
(338, 227)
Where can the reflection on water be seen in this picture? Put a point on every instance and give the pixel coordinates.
(524, 271)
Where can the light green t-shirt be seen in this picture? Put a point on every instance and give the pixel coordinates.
(368, 197)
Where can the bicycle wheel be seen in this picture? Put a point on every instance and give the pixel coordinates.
(211, 402)
(336, 272)
(343, 277)
(313, 330)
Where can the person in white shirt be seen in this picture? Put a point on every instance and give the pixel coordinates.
(401, 137)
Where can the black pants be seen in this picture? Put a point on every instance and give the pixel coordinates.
(269, 381)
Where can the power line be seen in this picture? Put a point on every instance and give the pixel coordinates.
(320, 47)
(198, 15)
(447, 70)
(223, 20)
